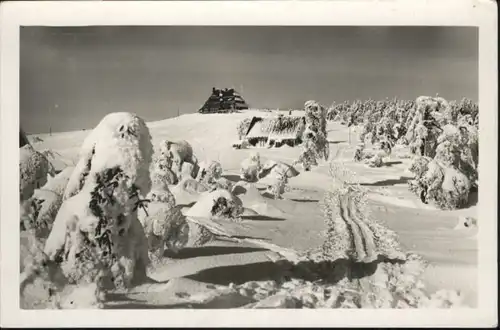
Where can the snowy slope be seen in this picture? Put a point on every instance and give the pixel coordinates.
(297, 220)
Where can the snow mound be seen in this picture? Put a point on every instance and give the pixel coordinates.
(208, 200)
(247, 192)
(264, 208)
(253, 200)
(59, 182)
(385, 284)
(188, 190)
(40, 279)
(273, 169)
(466, 223)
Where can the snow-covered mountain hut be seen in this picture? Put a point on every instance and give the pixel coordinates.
(223, 101)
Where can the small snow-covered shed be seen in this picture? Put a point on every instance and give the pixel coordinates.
(275, 131)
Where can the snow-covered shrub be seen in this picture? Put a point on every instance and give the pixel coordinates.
(279, 187)
(210, 172)
(179, 152)
(337, 110)
(219, 203)
(468, 145)
(161, 193)
(376, 160)
(443, 185)
(358, 153)
(33, 170)
(251, 167)
(225, 208)
(223, 183)
(273, 169)
(446, 180)
(381, 128)
(96, 235)
(172, 161)
(161, 170)
(167, 227)
(386, 146)
(419, 166)
(45, 203)
(164, 224)
(455, 190)
(170, 228)
(308, 156)
(468, 108)
(398, 133)
(44, 207)
(192, 186)
(383, 149)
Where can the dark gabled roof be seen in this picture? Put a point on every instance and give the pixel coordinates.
(224, 99)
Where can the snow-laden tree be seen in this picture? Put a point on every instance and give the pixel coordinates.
(180, 152)
(172, 161)
(470, 151)
(45, 203)
(280, 185)
(358, 153)
(161, 169)
(164, 224)
(442, 180)
(449, 170)
(210, 172)
(308, 156)
(96, 235)
(316, 127)
(251, 167)
(425, 127)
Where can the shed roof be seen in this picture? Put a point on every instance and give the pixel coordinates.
(268, 127)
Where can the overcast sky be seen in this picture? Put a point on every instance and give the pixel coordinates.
(72, 76)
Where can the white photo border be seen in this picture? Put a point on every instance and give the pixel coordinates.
(480, 13)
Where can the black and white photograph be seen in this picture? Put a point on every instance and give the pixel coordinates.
(228, 166)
